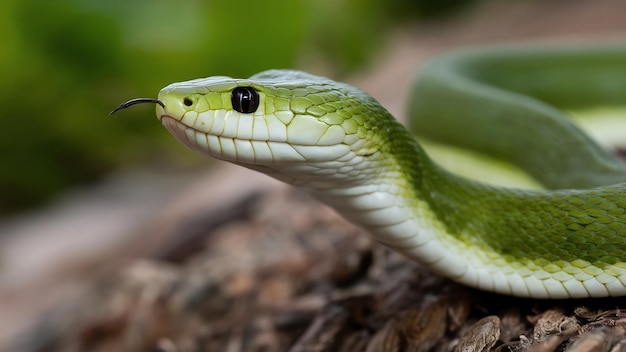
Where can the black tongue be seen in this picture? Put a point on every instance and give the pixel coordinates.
(137, 101)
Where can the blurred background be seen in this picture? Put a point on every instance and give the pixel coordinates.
(66, 64)
(70, 173)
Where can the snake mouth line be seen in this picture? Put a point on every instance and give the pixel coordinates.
(181, 132)
(169, 121)
(245, 151)
(250, 150)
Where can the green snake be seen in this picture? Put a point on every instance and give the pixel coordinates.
(343, 147)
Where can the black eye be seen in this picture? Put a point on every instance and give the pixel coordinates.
(245, 100)
(187, 101)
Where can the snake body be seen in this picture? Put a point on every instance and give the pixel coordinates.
(339, 144)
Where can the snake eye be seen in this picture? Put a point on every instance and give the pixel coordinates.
(245, 100)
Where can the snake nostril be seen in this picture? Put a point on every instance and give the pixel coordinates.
(187, 101)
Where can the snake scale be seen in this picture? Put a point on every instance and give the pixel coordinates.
(338, 143)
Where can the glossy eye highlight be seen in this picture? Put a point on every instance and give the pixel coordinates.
(245, 100)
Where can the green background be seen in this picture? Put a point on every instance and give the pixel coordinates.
(65, 64)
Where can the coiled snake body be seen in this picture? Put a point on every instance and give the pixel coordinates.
(345, 149)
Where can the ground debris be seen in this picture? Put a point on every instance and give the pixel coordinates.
(480, 336)
(291, 275)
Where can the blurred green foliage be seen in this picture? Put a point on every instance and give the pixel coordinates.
(65, 64)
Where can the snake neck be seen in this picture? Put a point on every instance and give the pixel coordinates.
(394, 193)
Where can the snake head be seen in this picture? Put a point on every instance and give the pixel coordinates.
(274, 118)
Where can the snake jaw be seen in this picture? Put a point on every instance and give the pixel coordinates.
(248, 150)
